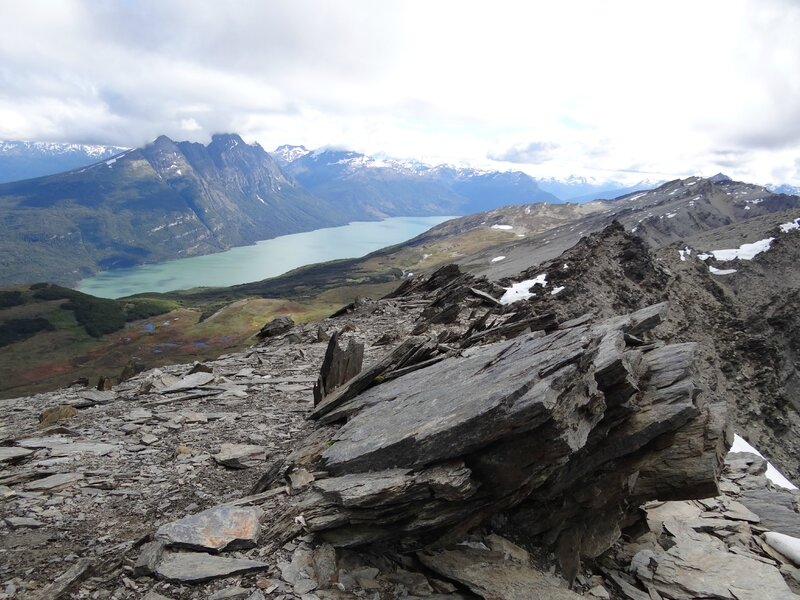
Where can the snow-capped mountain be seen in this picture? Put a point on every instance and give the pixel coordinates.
(24, 160)
(288, 153)
(784, 188)
(388, 187)
(578, 188)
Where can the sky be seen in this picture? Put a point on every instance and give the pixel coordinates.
(630, 90)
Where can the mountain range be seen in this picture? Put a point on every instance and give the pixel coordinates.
(176, 199)
(25, 160)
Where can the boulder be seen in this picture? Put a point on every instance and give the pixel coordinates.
(278, 326)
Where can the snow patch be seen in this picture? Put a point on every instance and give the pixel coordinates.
(775, 476)
(787, 227)
(745, 251)
(715, 271)
(260, 199)
(684, 253)
(556, 290)
(498, 259)
(704, 256)
(503, 227)
(785, 544)
(521, 290)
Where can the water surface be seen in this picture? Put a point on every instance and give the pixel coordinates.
(264, 259)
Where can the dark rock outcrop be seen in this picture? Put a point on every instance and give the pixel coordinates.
(563, 433)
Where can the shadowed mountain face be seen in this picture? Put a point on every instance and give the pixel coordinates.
(166, 200)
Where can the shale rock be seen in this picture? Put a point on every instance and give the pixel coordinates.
(195, 567)
(572, 427)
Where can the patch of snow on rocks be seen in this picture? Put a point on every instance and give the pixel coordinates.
(745, 251)
(556, 290)
(775, 476)
(715, 271)
(521, 290)
(504, 227)
(785, 544)
(498, 259)
(787, 227)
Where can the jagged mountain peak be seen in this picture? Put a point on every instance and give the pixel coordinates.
(719, 178)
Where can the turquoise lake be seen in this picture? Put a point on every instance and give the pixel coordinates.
(264, 259)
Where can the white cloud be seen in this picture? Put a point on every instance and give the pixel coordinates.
(673, 87)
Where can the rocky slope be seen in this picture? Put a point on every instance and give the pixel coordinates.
(570, 444)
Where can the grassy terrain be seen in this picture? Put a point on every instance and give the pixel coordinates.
(82, 336)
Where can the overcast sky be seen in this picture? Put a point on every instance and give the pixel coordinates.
(641, 89)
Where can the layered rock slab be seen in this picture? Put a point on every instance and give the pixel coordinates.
(548, 423)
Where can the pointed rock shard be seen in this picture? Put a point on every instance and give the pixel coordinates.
(223, 527)
(338, 366)
(195, 567)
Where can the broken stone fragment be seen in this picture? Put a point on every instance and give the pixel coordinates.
(195, 567)
(188, 382)
(240, 456)
(54, 414)
(53, 482)
(489, 575)
(223, 527)
(22, 522)
(148, 439)
(231, 593)
(13, 454)
(149, 558)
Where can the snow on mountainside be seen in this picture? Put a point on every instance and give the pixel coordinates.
(288, 153)
(55, 148)
(24, 160)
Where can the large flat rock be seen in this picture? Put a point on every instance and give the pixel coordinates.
(220, 528)
(195, 567)
(454, 407)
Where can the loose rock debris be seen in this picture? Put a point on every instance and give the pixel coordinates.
(521, 463)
